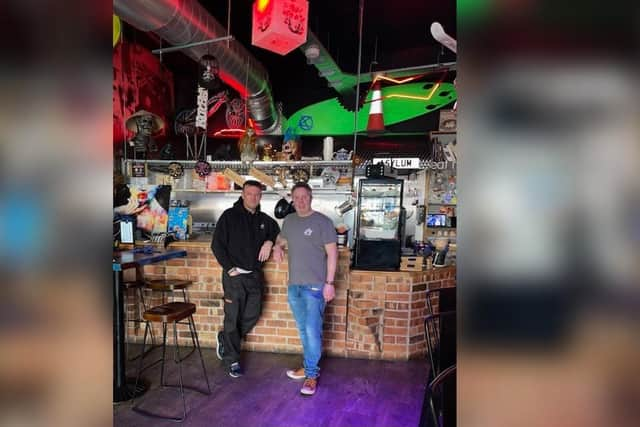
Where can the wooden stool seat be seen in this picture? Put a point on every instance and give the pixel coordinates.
(168, 285)
(133, 284)
(170, 312)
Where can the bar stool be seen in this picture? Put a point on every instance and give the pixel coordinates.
(137, 285)
(171, 286)
(173, 312)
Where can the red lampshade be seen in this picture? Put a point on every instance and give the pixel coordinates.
(279, 25)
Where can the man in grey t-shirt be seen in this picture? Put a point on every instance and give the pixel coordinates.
(312, 255)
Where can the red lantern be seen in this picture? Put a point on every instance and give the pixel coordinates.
(279, 25)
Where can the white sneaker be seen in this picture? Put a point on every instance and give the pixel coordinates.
(296, 374)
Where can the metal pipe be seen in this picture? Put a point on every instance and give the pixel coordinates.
(177, 48)
(186, 21)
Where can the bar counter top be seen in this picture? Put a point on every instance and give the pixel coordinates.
(375, 314)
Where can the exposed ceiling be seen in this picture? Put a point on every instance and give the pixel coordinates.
(395, 35)
(401, 29)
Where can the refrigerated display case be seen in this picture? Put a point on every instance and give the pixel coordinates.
(379, 223)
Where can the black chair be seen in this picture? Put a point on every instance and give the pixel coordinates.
(435, 323)
(442, 398)
(172, 312)
(432, 327)
(445, 296)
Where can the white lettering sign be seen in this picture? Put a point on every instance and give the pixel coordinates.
(430, 164)
(399, 162)
(201, 113)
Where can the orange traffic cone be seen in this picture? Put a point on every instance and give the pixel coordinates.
(375, 125)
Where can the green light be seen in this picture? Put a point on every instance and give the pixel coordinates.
(330, 118)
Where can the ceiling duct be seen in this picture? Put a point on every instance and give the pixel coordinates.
(318, 56)
(345, 83)
(186, 21)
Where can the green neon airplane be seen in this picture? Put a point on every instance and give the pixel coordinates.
(399, 103)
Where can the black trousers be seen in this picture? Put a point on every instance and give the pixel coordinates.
(242, 308)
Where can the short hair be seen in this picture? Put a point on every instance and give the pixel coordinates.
(301, 184)
(252, 183)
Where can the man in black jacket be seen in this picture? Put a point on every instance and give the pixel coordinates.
(241, 243)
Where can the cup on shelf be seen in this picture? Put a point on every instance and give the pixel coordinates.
(327, 148)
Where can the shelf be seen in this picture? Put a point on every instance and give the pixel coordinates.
(256, 163)
(287, 190)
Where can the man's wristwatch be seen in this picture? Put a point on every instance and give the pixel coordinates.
(329, 283)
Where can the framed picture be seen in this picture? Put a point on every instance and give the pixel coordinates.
(448, 120)
(153, 219)
(138, 169)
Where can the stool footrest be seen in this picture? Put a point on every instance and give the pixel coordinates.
(167, 285)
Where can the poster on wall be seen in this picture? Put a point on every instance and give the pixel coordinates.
(154, 217)
(442, 187)
(448, 121)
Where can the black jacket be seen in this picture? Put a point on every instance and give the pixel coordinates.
(239, 235)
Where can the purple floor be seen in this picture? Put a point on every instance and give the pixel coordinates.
(351, 393)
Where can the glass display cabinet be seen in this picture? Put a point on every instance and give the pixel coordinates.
(379, 223)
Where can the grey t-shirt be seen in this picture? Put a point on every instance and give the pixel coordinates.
(306, 237)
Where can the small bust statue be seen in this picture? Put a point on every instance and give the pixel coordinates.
(292, 149)
(247, 146)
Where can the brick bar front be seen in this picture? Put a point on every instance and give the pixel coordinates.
(375, 315)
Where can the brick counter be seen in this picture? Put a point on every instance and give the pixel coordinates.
(375, 315)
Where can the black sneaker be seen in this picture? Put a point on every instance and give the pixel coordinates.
(235, 370)
(220, 346)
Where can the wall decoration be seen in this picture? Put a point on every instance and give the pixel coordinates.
(448, 120)
(401, 103)
(155, 198)
(140, 82)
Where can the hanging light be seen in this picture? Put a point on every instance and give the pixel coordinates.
(279, 25)
(208, 72)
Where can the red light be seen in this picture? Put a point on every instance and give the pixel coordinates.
(261, 5)
(229, 133)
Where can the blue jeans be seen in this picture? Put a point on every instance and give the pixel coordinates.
(307, 305)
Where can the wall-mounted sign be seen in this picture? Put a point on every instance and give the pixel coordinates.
(399, 162)
(138, 169)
